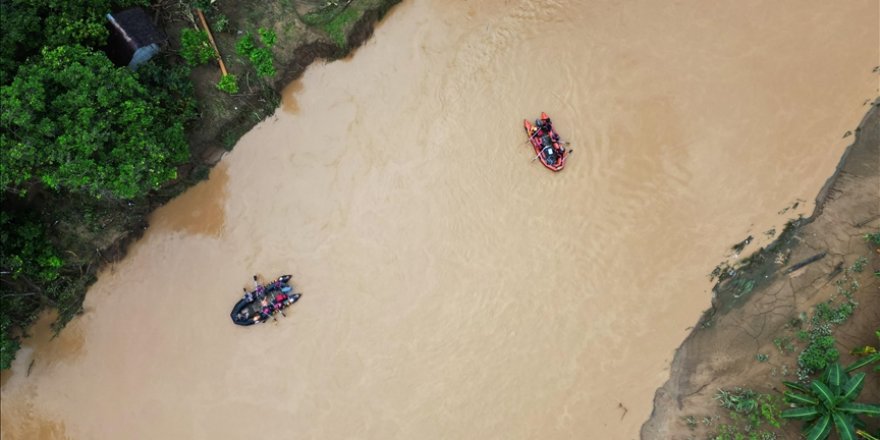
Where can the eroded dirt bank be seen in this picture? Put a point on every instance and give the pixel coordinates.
(721, 351)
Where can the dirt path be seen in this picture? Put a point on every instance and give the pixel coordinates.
(721, 352)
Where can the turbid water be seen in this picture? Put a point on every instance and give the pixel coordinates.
(453, 288)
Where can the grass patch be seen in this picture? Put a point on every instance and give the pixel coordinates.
(752, 415)
(820, 351)
(322, 15)
(337, 26)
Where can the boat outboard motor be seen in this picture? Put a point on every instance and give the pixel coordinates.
(548, 149)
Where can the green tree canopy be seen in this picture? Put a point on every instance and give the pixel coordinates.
(28, 25)
(71, 119)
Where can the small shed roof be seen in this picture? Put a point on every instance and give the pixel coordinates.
(130, 30)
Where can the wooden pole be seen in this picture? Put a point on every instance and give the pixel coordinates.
(211, 39)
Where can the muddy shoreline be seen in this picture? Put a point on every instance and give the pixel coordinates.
(720, 351)
(211, 138)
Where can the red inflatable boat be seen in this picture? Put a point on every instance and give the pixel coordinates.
(547, 143)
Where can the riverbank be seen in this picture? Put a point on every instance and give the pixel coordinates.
(305, 35)
(86, 233)
(747, 337)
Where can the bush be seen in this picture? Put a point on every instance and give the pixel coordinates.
(819, 354)
(8, 345)
(267, 36)
(72, 120)
(828, 403)
(228, 83)
(195, 47)
(260, 57)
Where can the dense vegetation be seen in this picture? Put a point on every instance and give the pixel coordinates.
(81, 138)
(89, 148)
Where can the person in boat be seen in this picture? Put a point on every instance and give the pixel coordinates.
(259, 289)
(275, 285)
(544, 125)
(280, 301)
(548, 151)
(547, 127)
(244, 314)
(534, 133)
(248, 296)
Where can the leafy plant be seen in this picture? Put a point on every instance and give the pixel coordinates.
(784, 344)
(826, 312)
(260, 57)
(228, 83)
(829, 403)
(267, 36)
(859, 265)
(195, 47)
(751, 411)
(221, 22)
(28, 260)
(865, 435)
(819, 354)
(8, 345)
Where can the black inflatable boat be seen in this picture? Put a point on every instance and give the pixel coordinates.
(260, 304)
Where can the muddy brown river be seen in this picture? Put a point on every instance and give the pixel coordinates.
(452, 287)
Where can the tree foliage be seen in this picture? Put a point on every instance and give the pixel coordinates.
(27, 253)
(8, 345)
(86, 130)
(28, 258)
(29, 25)
(195, 47)
(73, 120)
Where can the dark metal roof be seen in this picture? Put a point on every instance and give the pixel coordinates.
(133, 27)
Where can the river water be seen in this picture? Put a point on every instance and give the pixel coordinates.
(453, 288)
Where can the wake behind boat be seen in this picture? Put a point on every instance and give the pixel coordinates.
(546, 142)
(260, 304)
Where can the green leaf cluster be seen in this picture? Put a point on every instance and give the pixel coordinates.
(75, 132)
(754, 414)
(818, 354)
(828, 403)
(73, 120)
(260, 56)
(27, 252)
(195, 47)
(228, 83)
(28, 259)
(8, 344)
